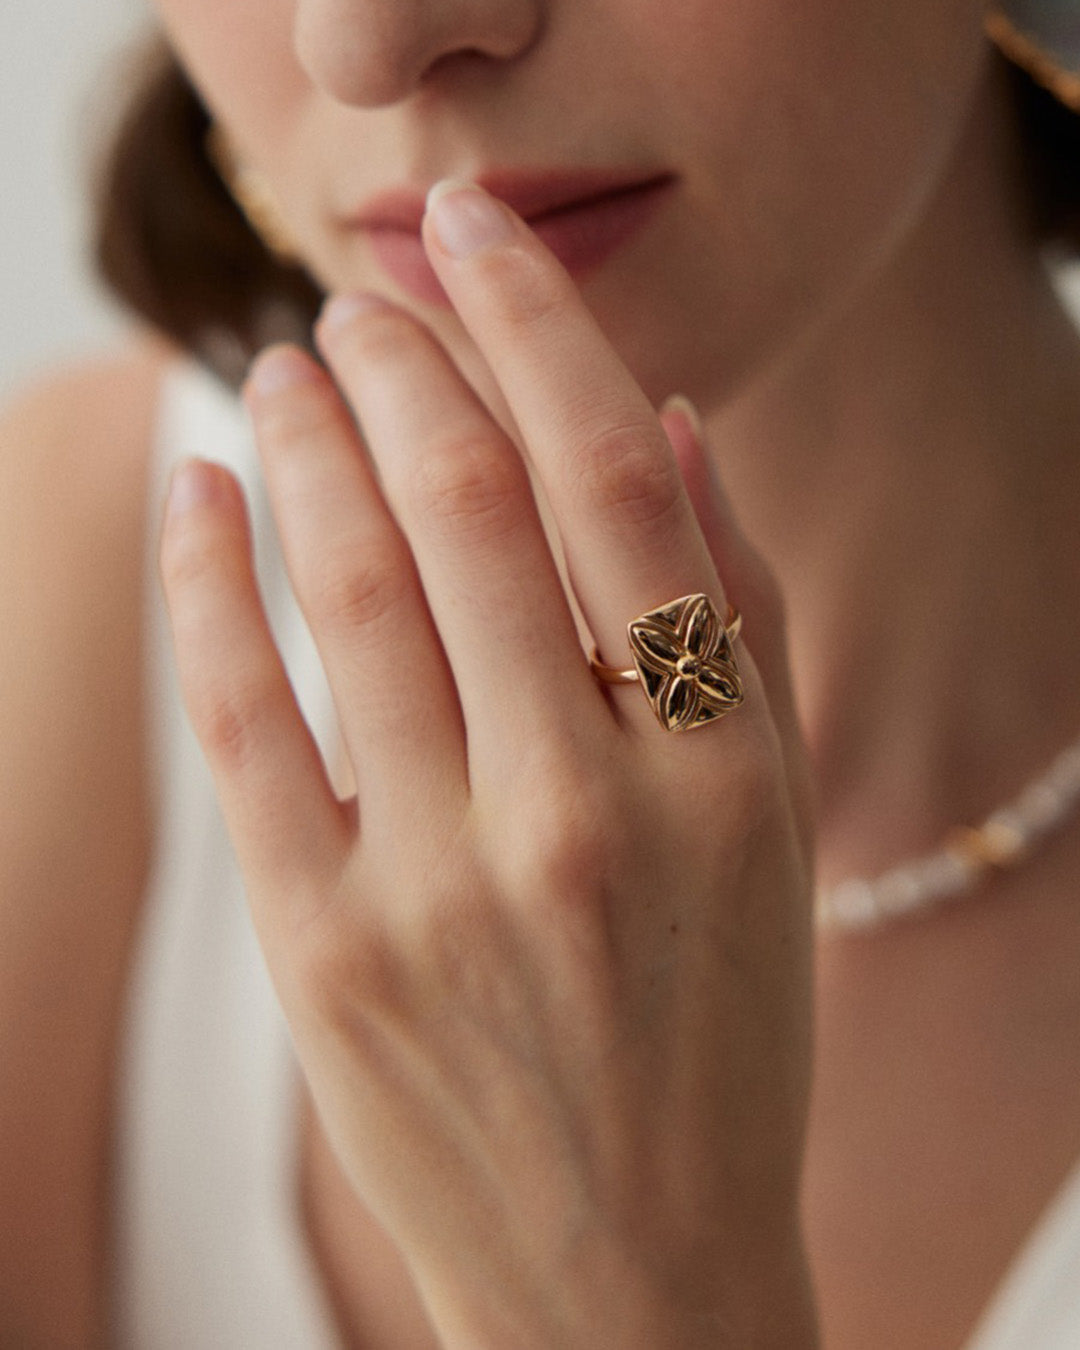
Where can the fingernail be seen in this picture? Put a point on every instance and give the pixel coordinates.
(279, 368)
(193, 483)
(340, 310)
(679, 403)
(466, 219)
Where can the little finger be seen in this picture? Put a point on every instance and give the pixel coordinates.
(271, 781)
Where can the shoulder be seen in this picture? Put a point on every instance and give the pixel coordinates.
(74, 452)
(74, 832)
(74, 455)
(74, 436)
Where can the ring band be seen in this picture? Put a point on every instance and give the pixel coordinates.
(683, 659)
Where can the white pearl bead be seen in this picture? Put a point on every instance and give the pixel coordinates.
(899, 892)
(848, 905)
(1042, 806)
(1005, 837)
(1008, 820)
(946, 873)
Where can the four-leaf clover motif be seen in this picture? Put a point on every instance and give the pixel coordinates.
(684, 659)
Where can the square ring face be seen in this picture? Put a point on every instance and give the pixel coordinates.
(686, 664)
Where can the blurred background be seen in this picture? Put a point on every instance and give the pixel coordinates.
(55, 65)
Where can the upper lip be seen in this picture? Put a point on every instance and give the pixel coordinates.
(533, 195)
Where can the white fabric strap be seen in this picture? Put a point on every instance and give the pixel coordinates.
(1037, 1306)
(211, 1252)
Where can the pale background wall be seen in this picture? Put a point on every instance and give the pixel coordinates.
(50, 61)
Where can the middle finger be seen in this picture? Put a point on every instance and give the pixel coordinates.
(459, 487)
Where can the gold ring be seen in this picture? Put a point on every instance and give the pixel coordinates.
(684, 661)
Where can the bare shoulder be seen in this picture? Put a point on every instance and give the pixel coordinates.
(73, 449)
(106, 399)
(74, 829)
(74, 452)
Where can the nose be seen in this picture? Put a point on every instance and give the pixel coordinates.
(371, 53)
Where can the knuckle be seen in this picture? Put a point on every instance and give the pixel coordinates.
(565, 844)
(358, 587)
(620, 472)
(349, 972)
(228, 722)
(380, 966)
(469, 487)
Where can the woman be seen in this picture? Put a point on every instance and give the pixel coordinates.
(543, 941)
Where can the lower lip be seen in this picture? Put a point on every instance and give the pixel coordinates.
(582, 238)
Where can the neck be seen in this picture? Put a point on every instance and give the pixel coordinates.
(930, 440)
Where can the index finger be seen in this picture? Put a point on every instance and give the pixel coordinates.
(632, 540)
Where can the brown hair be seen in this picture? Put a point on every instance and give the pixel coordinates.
(170, 241)
(173, 246)
(1050, 136)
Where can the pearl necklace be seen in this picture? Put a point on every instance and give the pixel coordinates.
(967, 857)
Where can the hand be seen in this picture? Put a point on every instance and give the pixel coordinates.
(548, 973)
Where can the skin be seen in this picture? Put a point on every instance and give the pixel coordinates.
(507, 946)
(833, 299)
(763, 159)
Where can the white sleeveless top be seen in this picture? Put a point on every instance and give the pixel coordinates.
(211, 1252)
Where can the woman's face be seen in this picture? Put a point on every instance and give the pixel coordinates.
(729, 168)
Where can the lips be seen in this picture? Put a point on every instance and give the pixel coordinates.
(582, 217)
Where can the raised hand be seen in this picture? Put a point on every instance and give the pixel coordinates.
(548, 973)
